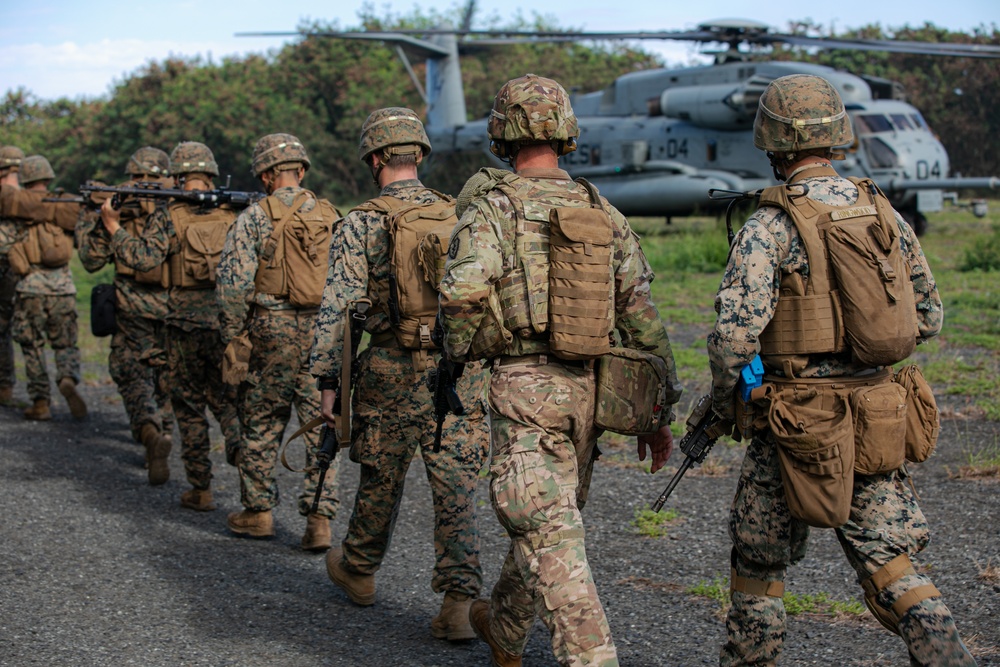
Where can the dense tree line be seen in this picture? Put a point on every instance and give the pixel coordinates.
(322, 90)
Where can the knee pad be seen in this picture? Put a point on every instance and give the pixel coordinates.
(896, 569)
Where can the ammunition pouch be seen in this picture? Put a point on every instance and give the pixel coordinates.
(923, 422)
(491, 337)
(896, 569)
(632, 388)
(236, 359)
(879, 414)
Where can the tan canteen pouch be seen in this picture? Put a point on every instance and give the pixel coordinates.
(923, 421)
(631, 391)
(236, 359)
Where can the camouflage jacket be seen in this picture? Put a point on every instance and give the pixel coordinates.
(94, 249)
(188, 309)
(238, 266)
(359, 267)
(10, 233)
(479, 254)
(768, 246)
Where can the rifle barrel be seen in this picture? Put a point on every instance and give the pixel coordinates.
(658, 505)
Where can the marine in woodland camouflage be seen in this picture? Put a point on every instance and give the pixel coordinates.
(394, 413)
(800, 112)
(392, 126)
(276, 149)
(885, 520)
(279, 377)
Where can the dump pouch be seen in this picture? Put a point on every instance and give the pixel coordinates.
(632, 391)
(236, 359)
(923, 421)
(813, 431)
(102, 310)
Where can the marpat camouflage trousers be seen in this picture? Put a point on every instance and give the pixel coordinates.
(885, 522)
(393, 415)
(194, 377)
(278, 379)
(51, 319)
(544, 442)
(136, 363)
(8, 281)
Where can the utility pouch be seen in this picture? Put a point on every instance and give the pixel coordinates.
(815, 438)
(102, 310)
(18, 258)
(631, 391)
(879, 427)
(491, 338)
(236, 359)
(55, 247)
(923, 421)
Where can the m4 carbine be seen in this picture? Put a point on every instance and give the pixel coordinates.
(153, 190)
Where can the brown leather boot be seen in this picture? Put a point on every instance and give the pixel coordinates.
(157, 456)
(479, 617)
(199, 500)
(6, 396)
(39, 411)
(317, 535)
(452, 622)
(252, 523)
(77, 408)
(359, 587)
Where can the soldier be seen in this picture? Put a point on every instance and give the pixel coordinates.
(10, 163)
(495, 302)
(137, 349)
(269, 285)
(391, 400)
(45, 305)
(186, 240)
(780, 273)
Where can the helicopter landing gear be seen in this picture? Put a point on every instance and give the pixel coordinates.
(916, 220)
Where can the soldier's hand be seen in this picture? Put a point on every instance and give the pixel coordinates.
(110, 216)
(661, 445)
(327, 398)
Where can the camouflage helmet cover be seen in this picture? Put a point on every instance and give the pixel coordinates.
(533, 109)
(10, 157)
(274, 149)
(799, 112)
(36, 168)
(392, 126)
(150, 161)
(191, 157)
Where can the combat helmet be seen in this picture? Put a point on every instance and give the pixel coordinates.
(36, 168)
(10, 158)
(532, 109)
(800, 112)
(392, 128)
(148, 160)
(190, 157)
(275, 149)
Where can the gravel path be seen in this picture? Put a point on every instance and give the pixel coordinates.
(101, 569)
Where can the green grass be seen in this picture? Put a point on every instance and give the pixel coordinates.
(795, 603)
(653, 524)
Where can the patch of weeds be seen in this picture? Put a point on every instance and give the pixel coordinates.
(989, 573)
(716, 590)
(807, 603)
(712, 466)
(654, 524)
(983, 254)
(983, 463)
(980, 646)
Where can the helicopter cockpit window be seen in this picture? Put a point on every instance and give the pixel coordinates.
(873, 123)
(901, 122)
(918, 121)
(880, 154)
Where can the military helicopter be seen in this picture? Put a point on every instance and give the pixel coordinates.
(656, 141)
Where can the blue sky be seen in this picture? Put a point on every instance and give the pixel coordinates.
(69, 48)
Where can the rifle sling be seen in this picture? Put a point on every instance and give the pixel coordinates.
(305, 428)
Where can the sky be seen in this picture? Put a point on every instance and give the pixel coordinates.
(68, 48)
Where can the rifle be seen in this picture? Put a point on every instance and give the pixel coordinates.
(153, 190)
(441, 381)
(704, 427)
(328, 447)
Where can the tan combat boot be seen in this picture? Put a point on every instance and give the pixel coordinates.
(452, 622)
(157, 456)
(39, 411)
(317, 535)
(77, 408)
(199, 500)
(6, 396)
(359, 587)
(479, 617)
(252, 523)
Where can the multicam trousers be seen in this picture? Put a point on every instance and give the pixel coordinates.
(194, 377)
(136, 364)
(278, 379)
(41, 319)
(885, 522)
(544, 442)
(8, 281)
(393, 415)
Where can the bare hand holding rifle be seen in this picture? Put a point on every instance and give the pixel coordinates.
(704, 427)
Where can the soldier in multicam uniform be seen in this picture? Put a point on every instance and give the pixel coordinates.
(281, 334)
(137, 347)
(541, 407)
(799, 119)
(45, 310)
(194, 347)
(10, 164)
(393, 407)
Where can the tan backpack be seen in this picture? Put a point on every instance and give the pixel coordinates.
(294, 260)
(46, 244)
(202, 234)
(418, 248)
